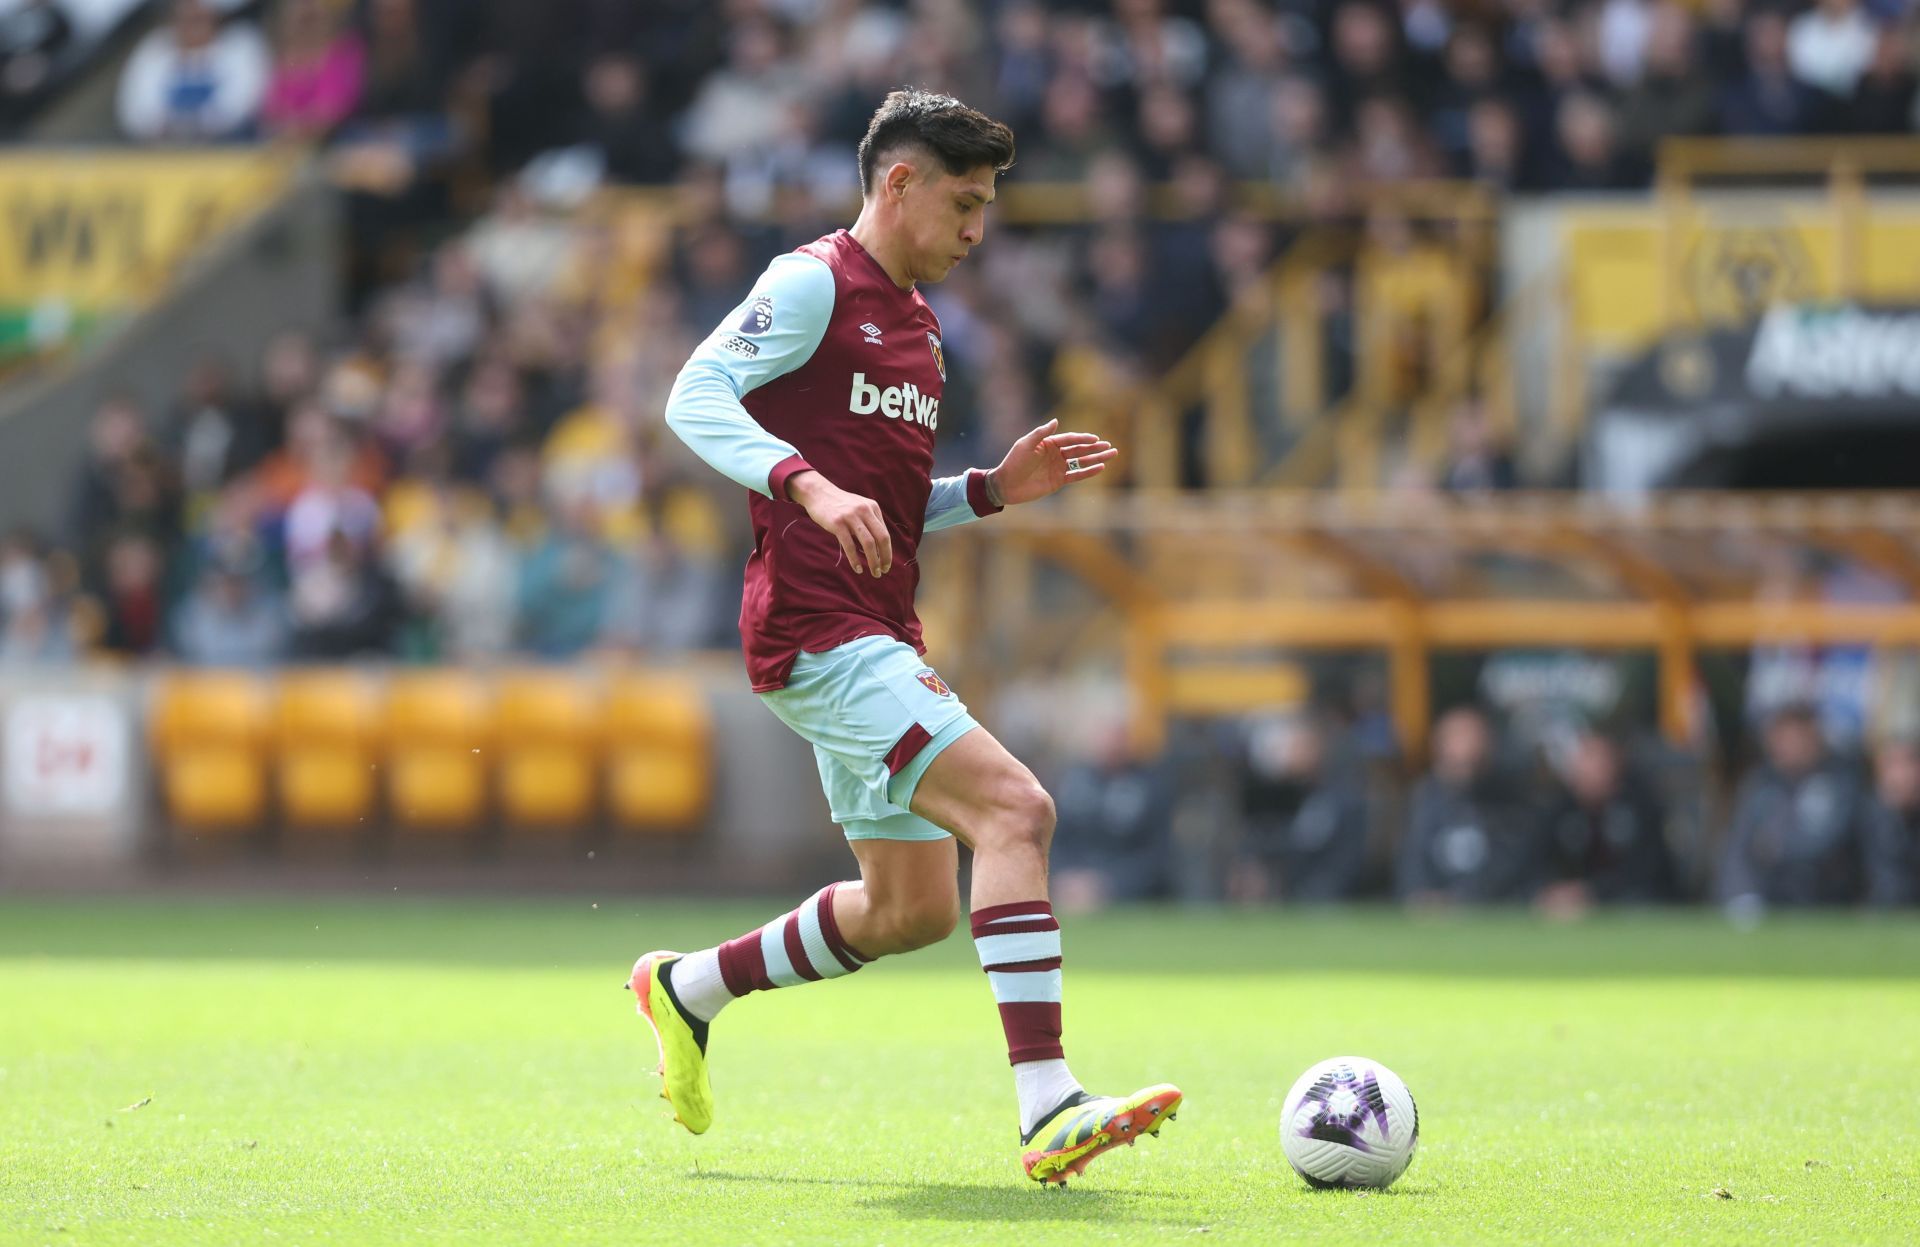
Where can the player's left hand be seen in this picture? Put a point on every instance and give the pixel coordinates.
(1044, 462)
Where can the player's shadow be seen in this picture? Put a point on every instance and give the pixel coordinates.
(962, 1201)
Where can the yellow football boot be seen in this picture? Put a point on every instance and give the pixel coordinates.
(1067, 1141)
(682, 1041)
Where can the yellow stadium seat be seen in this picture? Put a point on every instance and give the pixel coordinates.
(659, 753)
(437, 728)
(325, 729)
(208, 731)
(546, 733)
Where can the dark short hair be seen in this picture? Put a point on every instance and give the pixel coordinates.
(961, 138)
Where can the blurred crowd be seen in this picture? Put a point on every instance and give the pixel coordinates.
(449, 485)
(473, 463)
(1590, 820)
(1526, 94)
(435, 113)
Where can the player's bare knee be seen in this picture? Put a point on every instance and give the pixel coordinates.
(927, 921)
(1021, 821)
(1032, 815)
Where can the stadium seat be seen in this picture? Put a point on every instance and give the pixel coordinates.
(324, 761)
(659, 753)
(437, 727)
(546, 732)
(209, 734)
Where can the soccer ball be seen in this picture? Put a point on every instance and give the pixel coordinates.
(1349, 1122)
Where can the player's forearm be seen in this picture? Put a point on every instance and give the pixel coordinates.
(961, 499)
(704, 412)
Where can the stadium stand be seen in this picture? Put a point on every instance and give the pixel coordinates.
(1419, 257)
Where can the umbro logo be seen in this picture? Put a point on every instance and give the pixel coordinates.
(873, 333)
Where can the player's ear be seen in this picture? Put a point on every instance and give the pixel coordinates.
(899, 177)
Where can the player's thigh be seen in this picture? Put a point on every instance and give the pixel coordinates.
(910, 876)
(974, 788)
(876, 716)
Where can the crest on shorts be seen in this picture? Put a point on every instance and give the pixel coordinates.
(930, 677)
(939, 356)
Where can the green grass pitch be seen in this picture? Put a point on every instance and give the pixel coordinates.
(378, 1071)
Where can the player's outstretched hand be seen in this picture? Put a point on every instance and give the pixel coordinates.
(1044, 462)
(855, 522)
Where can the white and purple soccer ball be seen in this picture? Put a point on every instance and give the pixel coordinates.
(1349, 1122)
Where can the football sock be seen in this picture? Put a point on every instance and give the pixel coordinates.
(695, 1022)
(1044, 1087)
(1019, 947)
(803, 946)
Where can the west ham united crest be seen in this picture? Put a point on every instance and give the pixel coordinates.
(939, 356)
(930, 677)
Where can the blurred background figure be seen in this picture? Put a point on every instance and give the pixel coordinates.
(1471, 836)
(232, 617)
(1113, 840)
(1606, 834)
(195, 80)
(1893, 825)
(33, 35)
(1796, 836)
(1304, 817)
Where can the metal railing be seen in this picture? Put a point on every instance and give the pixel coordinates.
(1201, 598)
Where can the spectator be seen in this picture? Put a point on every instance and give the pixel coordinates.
(412, 417)
(232, 618)
(131, 597)
(1300, 129)
(1590, 158)
(671, 603)
(34, 625)
(490, 416)
(331, 505)
(344, 605)
(213, 434)
(192, 81)
(1022, 68)
(1672, 96)
(1388, 146)
(33, 35)
(566, 586)
(619, 123)
(1893, 825)
(318, 73)
(1365, 56)
(1113, 838)
(456, 568)
(1472, 77)
(1766, 99)
(1883, 100)
(444, 318)
(1471, 837)
(1830, 45)
(1621, 29)
(1305, 818)
(1496, 148)
(520, 250)
(1239, 117)
(116, 433)
(1071, 133)
(1168, 126)
(739, 107)
(1796, 833)
(1606, 836)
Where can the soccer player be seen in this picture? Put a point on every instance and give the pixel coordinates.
(821, 394)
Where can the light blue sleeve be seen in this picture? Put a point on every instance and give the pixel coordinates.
(951, 503)
(775, 330)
